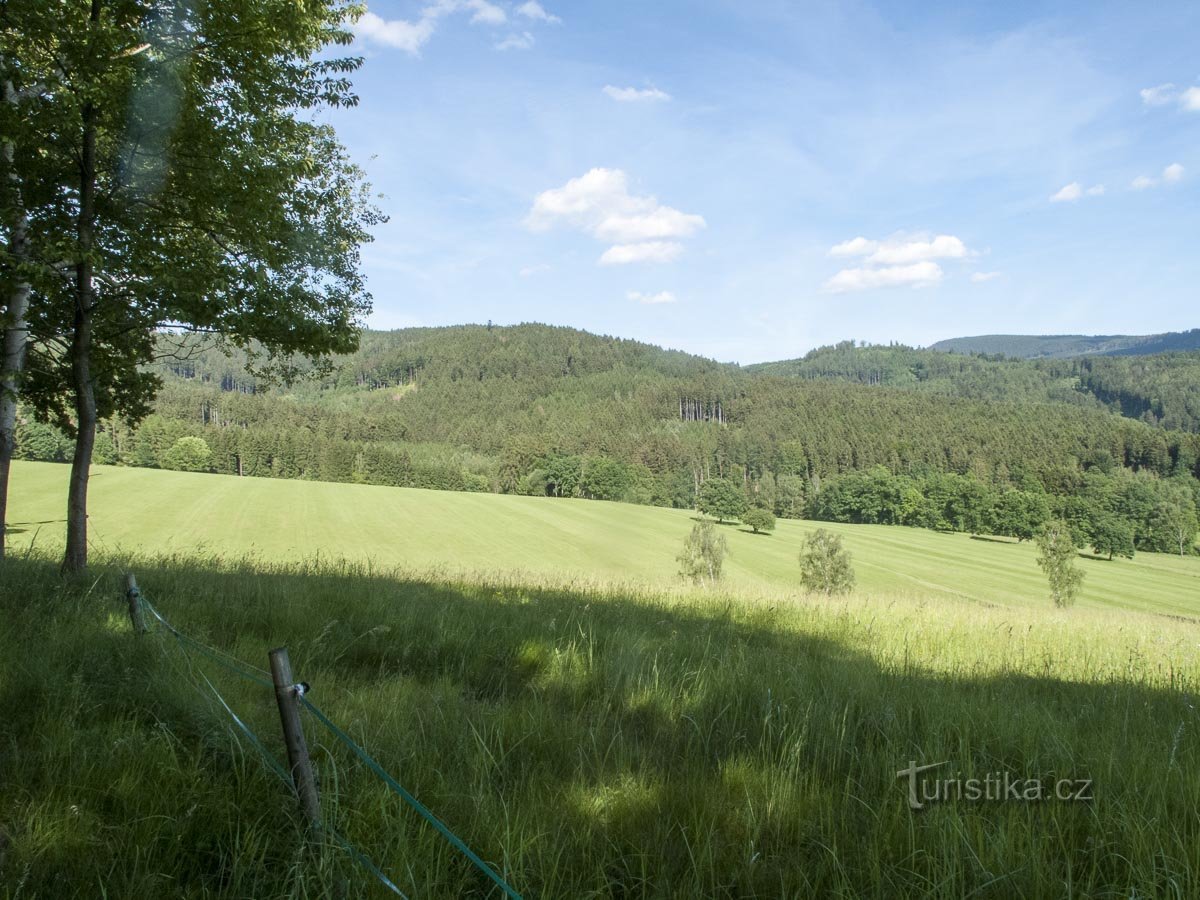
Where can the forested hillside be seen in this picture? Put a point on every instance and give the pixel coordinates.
(1163, 389)
(1034, 346)
(540, 410)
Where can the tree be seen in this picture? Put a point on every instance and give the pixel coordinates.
(759, 519)
(604, 479)
(1112, 535)
(1057, 555)
(703, 554)
(1019, 514)
(188, 454)
(14, 281)
(825, 566)
(174, 175)
(1175, 517)
(721, 499)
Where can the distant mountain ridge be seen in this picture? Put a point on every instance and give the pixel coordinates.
(1063, 346)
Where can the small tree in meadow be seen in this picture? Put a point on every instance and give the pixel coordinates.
(721, 499)
(188, 454)
(1112, 535)
(703, 553)
(760, 520)
(825, 566)
(1057, 559)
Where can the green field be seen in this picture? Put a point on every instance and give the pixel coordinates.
(535, 674)
(158, 512)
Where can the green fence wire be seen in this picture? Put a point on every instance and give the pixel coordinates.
(243, 669)
(251, 673)
(408, 798)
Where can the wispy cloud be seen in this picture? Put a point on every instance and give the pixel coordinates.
(922, 274)
(652, 299)
(646, 251)
(522, 41)
(635, 95)
(412, 35)
(599, 203)
(1172, 174)
(1073, 191)
(1159, 95)
(1190, 99)
(537, 12)
(1068, 193)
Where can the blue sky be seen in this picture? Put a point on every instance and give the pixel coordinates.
(749, 180)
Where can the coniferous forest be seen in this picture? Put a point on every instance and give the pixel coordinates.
(849, 433)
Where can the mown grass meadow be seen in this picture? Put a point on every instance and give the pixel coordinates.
(224, 517)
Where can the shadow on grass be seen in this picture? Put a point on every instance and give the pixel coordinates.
(994, 539)
(612, 743)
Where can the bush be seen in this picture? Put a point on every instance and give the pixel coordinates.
(703, 553)
(188, 454)
(825, 566)
(759, 519)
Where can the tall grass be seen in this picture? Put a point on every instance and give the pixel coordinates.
(588, 739)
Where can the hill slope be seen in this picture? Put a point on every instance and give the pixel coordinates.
(144, 511)
(1029, 346)
(1161, 389)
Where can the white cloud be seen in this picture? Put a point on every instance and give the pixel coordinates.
(903, 259)
(522, 41)
(529, 271)
(1172, 174)
(412, 36)
(486, 13)
(981, 277)
(893, 253)
(1071, 192)
(534, 10)
(858, 246)
(635, 95)
(407, 36)
(1158, 96)
(1190, 99)
(902, 250)
(647, 251)
(921, 274)
(651, 299)
(599, 203)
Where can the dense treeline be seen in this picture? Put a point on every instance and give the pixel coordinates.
(552, 411)
(1162, 389)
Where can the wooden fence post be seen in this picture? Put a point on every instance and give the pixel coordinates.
(134, 596)
(293, 735)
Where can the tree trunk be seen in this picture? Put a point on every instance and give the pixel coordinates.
(75, 557)
(15, 332)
